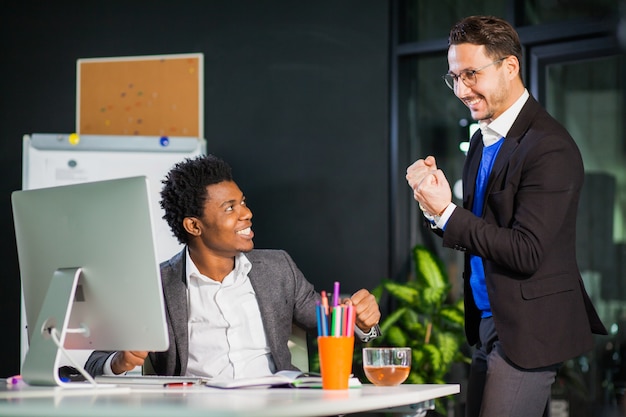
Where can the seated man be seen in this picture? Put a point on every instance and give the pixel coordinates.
(229, 307)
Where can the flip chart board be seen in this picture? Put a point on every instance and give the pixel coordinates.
(51, 159)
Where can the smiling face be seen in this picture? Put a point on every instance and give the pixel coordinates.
(224, 229)
(497, 86)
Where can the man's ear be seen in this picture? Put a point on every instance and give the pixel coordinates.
(513, 65)
(191, 225)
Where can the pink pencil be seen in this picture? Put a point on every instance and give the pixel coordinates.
(351, 319)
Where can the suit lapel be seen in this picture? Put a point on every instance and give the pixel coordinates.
(175, 293)
(471, 169)
(511, 142)
(263, 292)
(502, 159)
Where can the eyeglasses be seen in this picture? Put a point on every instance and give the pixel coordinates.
(468, 76)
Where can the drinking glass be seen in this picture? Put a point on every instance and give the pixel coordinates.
(387, 366)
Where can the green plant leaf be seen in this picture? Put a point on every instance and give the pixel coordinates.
(428, 268)
(391, 320)
(452, 317)
(448, 345)
(402, 292)
(396, 337)
(433, 297)
(424, 312)
(434, 364)
(411, 318)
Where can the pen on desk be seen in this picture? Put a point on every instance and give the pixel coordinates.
(178, 384)
(13, 380)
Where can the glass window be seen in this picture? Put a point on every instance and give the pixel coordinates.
(434, 122)
(423, 20)
(588, 98)
(537, 12)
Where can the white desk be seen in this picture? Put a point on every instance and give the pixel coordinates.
(209, 402)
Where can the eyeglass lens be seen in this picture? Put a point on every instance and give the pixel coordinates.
(468, 76)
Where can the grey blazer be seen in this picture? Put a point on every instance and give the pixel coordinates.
(283, 293)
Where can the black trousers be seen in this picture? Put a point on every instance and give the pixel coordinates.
(498, 388)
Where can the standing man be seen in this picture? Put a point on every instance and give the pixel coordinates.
(229, 307)
(525, 304)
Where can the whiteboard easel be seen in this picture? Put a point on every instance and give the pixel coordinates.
(61, 159)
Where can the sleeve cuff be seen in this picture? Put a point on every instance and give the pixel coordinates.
(441, 221)
(366, 337)
(106, 368)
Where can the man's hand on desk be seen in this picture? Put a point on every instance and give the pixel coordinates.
(127, 360)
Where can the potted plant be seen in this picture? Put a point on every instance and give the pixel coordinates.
(424, 318)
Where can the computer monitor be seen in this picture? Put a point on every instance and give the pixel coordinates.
(89, 269)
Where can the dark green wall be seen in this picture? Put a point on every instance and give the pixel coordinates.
(296, 99)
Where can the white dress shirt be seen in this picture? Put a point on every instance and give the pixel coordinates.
(226, 335)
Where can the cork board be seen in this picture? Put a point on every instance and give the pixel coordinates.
(158, 95)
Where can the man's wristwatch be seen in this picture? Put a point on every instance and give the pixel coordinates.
(372, 334)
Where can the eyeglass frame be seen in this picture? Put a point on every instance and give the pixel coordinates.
(452, 79)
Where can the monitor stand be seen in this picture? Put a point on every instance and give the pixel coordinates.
(41, 363)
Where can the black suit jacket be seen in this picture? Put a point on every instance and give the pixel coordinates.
(527, 239)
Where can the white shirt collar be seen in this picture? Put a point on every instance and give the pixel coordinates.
(242, 266)
(498, 128)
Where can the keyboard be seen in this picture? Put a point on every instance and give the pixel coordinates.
(148, 379)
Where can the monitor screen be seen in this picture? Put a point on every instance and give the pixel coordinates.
(100, 235)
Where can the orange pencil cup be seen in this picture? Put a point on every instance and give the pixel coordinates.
(335, 360)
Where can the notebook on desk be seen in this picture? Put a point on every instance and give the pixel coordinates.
(148, 379)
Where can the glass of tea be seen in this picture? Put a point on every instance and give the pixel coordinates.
(387, 366)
